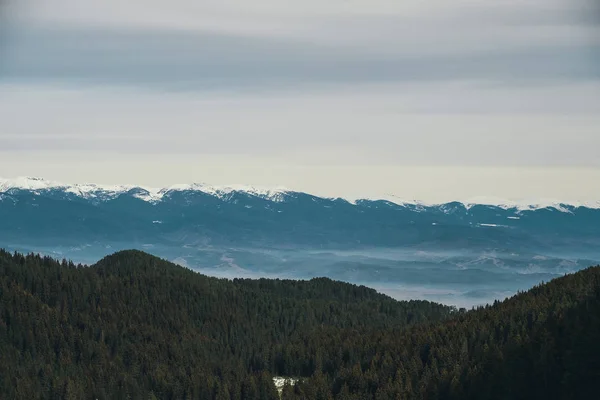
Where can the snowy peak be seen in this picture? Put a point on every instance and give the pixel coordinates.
(109, 192)
(96, 192)
(26, 183)
(86, 190)
(225, 192)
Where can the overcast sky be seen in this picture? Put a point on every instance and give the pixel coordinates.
(430, 100)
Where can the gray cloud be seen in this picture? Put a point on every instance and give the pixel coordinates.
(194, 46)
(366, 126)
(195, 61)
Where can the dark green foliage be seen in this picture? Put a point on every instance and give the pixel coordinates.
(543, 344)
(136, 327)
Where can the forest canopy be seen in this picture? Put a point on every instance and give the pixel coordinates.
(135, 326)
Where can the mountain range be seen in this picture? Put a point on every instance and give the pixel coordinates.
(457, 252)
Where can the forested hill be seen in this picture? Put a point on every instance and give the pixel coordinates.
(134, 326)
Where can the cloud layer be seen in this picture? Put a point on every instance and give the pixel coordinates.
(368, 84)
(186, 45)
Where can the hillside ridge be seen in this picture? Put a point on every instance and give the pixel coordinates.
(135, 326)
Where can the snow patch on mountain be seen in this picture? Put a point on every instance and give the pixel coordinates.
(278, 195)
(519, 206)
(108, 192)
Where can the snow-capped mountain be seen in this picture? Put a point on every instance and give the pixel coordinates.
(32, 207)
(153, 195)
(469, 247)
(110, 192)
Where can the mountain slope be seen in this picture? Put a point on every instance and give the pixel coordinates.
(135, 326)
(541, 344)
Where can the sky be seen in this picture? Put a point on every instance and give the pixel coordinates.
(432, 101)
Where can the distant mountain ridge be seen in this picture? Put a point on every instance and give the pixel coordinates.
(110, 192)
(98, 192)
(33, 208)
